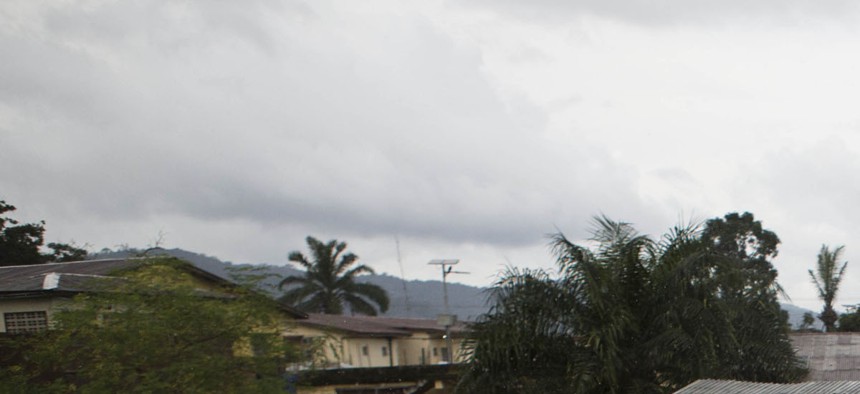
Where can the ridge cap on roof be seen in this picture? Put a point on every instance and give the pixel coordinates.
(76, 274)
(65, 262)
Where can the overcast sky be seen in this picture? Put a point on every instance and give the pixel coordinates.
(468, 129)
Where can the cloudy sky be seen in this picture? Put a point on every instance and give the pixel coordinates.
(467, 129)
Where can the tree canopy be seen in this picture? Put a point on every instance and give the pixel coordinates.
(21, 243)
(154, 330)
(850, 321)
(635, 315)
(329, 282)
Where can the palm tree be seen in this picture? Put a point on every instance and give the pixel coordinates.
(329, 283)
(634, 315)
(827, 282)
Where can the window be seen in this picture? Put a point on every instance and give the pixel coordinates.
(364, 351)
(435, 352)
(23, 322)
(384, 351)
(445, 354)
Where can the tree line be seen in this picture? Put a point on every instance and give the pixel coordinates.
(624, 313)
(21, 243)
(631, 314)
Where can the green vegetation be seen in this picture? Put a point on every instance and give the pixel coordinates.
(329, 283)
(850, 322)
(635, 315)
(21, 244)
(807, 323)
(155, 331)
(827, 282)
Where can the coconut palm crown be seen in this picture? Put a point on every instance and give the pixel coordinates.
(329, 284)
(827, 282)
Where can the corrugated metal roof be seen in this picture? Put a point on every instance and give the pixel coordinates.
(352, 325)
(829, 356)
(31, 278)
(77, 276)
(708, 386)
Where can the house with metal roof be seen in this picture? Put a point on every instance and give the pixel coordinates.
(30, 294)
(371, 341)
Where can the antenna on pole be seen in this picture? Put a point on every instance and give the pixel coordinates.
(402, 275)
(447, 319)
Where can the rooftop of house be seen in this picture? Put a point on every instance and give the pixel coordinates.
(380, 326)
(709, 386)
(829, 356)
(37, 280)
(70, 276)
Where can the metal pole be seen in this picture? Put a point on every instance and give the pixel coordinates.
(448, 342)
(447, 267)
(445, 288)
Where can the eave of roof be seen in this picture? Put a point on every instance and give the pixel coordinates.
(374, 326)
(346, 325)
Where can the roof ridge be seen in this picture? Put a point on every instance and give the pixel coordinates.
(55, 263)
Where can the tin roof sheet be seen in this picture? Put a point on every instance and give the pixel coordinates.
(709, 386)
(829, 356)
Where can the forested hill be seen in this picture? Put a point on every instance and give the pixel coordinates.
(425, 297)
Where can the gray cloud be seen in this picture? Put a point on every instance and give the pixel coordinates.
(284, 116)
(676, 12)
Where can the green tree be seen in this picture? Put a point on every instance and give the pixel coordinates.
(329, 283)
(807, 323)
(634, 315)
(827, 282)
(154, 330)
(850, 322)
(20, 244)
(742, 251)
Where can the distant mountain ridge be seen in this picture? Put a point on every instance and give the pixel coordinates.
(425, 297)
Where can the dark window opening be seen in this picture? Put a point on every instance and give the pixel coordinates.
(24, 322)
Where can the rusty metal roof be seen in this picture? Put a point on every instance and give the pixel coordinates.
(708, 386)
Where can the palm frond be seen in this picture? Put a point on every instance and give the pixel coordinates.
(327, 284)
(360, 305)
(345, 261)
(371, 292)
(292, 279)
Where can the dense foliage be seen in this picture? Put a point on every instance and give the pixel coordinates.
(827, 282)
(850, 322)
(329, 282)
(155, 331)
(634, 315)
(21, 243)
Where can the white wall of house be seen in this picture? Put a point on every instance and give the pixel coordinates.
(423, 348)
(44, 304)
(420, 348)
